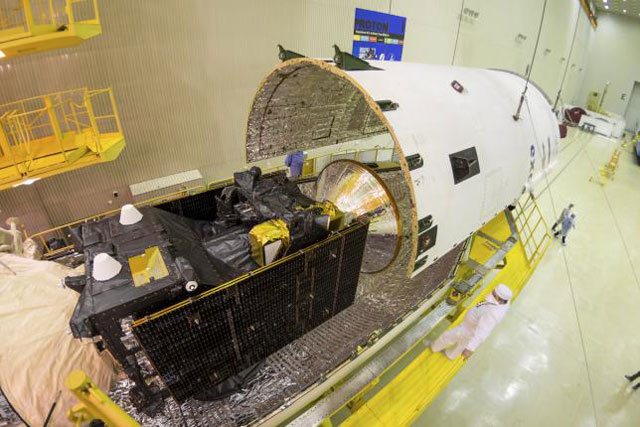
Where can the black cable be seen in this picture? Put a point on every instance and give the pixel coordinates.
(566, 68)
(516, 116)
(53, 407)
(455, 46)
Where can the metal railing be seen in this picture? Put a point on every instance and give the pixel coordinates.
(12, 16)
(532, 229)
(63, 232)
(40, 126)
(24, 18)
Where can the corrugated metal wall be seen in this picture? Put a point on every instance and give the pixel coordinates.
(184, 74)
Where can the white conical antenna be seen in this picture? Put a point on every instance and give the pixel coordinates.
(105, 267)
(129, 215)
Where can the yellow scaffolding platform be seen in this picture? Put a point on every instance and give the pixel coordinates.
(30, 26)
(411, 391)
(57, 133)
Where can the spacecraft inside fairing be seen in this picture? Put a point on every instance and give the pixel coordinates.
(402, 166)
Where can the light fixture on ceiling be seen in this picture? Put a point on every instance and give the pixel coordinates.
(624, 10)
(2, 55)
(606, 6)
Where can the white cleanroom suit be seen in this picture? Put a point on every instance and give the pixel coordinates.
(473, 330)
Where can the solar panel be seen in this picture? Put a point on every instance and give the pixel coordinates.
(198, 343)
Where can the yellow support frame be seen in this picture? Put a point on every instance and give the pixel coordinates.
(54, 27)
(410, 392)
(94, 403)
(56, 133)
(64, 230)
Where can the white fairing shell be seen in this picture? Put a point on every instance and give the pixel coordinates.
(305, 104)
(434, 120)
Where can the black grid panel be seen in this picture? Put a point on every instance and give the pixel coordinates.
(324, 271)
(352, 254)
(201, 343)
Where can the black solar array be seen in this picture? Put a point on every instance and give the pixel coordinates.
(201, 343)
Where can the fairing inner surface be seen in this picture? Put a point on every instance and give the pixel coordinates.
(301, 106)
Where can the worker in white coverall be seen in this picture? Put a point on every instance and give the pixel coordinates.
(476, 326)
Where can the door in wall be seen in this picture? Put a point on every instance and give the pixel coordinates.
(632, 115)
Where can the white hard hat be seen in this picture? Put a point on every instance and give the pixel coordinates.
(129, 215)
(105, 267)
(503, 291)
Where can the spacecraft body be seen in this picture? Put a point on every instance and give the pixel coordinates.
(205, 287)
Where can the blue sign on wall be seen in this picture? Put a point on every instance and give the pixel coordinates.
(378, 35)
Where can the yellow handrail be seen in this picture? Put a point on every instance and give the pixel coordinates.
(538, 235)
(42, 236)
(51, 14)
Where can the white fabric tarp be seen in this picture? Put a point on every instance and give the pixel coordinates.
(37, 350)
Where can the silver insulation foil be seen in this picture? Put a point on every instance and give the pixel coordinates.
(8, 418)
(301, 106)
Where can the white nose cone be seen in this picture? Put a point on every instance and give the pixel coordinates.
(129, 215)
(105, 267)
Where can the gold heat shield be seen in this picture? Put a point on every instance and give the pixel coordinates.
(147, 266)
(268, 240)
(358, 191)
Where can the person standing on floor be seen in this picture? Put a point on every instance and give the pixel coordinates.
(565, 213)
(567, 224)
(295, 161)
(476, 326)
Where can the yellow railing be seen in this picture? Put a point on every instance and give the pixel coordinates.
(59, 129)
(608, 170)
(64, 231)
(25, 18)
(532, 228)
(415, 379)
(12, 16)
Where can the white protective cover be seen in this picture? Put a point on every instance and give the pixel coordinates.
(37, 350)
(434, 120)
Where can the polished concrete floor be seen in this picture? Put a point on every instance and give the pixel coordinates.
(559, 357)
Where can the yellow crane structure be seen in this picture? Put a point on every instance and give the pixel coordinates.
(30, 26)
(57, 133)
(94, 403)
